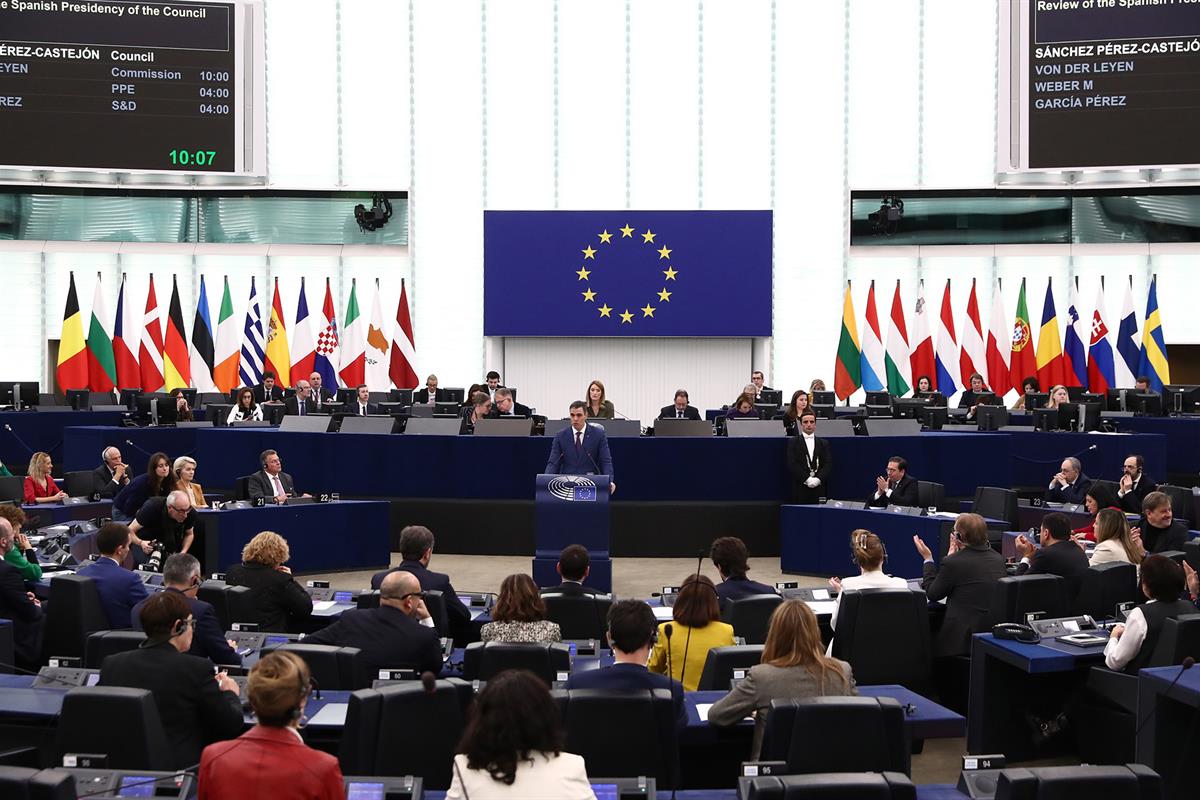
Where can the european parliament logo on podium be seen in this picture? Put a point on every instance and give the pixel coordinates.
(573, 488)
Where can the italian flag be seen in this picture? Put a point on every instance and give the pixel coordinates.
(353, 369)
(227, 350)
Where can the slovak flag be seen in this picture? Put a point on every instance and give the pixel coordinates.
(1101, 373)
(327, 342)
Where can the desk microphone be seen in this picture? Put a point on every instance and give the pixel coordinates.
(1184, 666)
(428, 682)
(687, 642)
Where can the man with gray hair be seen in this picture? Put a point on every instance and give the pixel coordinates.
(112, 476)
(1070, 485)
(20, 606)
(301, 403)
(168, 520)
(181, 574)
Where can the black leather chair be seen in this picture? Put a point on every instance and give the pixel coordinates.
(8, 646)
(1017, 595)
(884, 635)
(73, 612)
(1112, 486)
(331, 667)
(1191, 552)
(1106, 585)
(19, 783)
(230, 603)
(1182, 503)
(829, 786)
(582, 617)
(995, 502)
(751, 616)
(102, 644)
(435, 603)
(482, 660)
(1128, 782)
(931, 495)
(12, 488)
(79, 484)
(117, 721)
(623, 734)
(838, 734)
(241, 488)
(722, 661)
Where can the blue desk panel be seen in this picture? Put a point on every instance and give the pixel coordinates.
(1183, 440)
(815, 540)
(43, 514)
(32, 431)
(1037, 455)
(82, 445)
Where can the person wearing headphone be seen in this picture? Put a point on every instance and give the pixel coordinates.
(112, 476)
(195, 706)
(696, 628)
(868, 554)
(181, 574)
(271, 759)
(271, 482)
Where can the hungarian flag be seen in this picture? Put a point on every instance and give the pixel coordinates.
(226, 351)
(279, 360)
(947, 348)
(971, 358)
(895, 358)
(1101, 376)
(303, 349)
(102, 366)
(1074, 360)
(999, 346)
(326, 358)
(1024, 362)
(922, 360)
(72, 372)
(847, 373)
(353, 370)
(177, 372)
(1050, 370)
(128, 376)
(404, 347)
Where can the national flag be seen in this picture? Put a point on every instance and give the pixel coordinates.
(1101, 377)
(72, 371)
(895, 358)
(1129, 344)
(376, 354)
(226, 353)
(847, 371)
(402, 369)
(279, 359)
(177, 371)
(150, 350)
(203, 349)
(353, 371)
(253, 355)
(1074, 360)
(972, 358)
(999, 346)
(102, 366)
(304, 350)
(1023, 362)
(947, 348)
(921, 360)
(873, 375)
(1154, 345)
(326, 358)
(1049, 349)
(124, 343)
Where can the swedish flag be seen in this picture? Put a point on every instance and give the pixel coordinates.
(1154, 346)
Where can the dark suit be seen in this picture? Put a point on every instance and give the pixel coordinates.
(328, 400)
(627, 677)
(260, 485)
(194, 710)
(1132, 501)
(518, 410)
(458, 615)
(798, 463)
(1074, 493)
(1159, 540)
(387, 638)
(571, 589)
(968, 580)
(102, 480)
(734, 588)
(277, 596)
(119, 589)
(422, 396)
(355, 408)
(904, 493)
(261, 395)
(208, 640)
(591, 459)
(291, 406)
(26, 616)
(669, 412)
(1061, 558)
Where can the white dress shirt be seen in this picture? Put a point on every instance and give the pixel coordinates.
(875, 579)
(1119, 652)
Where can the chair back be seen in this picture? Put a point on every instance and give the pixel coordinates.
(1017, 595)
(435, 602)
(751, 616)
(8, 646)
(332, 667)
(623, 733)
(1129, 782)
(1182, 502)
(22, 783)
(884, 635)
(482, 660)
(241, 488)
(102, 644)
(79, 483)
(1106, 585)
(829, 786)
(995, 502)
(230, 603)
(931, 495)
(118, 721)
(583, 616)
(1179, 639)
(73, 612)
(722, 661)
(838, 734)
(12, 488)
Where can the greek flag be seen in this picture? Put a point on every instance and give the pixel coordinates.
(253, 343)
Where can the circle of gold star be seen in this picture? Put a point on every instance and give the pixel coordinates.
(604, 237)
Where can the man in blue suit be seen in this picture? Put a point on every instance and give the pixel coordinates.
(581, 449)
(181, 575)
(631, 632)
(120, 590)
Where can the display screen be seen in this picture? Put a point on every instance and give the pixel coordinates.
(605, 791)
(276, 640)
(357, 790)
(343, 597)
(120, 85)
(136, 786)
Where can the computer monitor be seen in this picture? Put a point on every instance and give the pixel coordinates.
(447, 408)
(934, 417)
(453, 395)
(878, 399)
(1034, 400)
(824, 399)
(189, 394)
(988, 399)
(345, 396)
(1181, 398)
(909, 407)
(1045, 419)
(156, 408)
(78, 399)
(273, 412)
(1079, 416)
(1147, 404)
(766, 410)
(991, 418)
(1122, 399)
(771, 396)
(1073, 393)
(401, 396)
(1093, 397)
(22, 393)
(129, 398)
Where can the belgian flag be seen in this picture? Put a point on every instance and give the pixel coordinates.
(72, 350)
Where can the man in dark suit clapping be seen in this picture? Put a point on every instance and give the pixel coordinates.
(810, 460)
(1058, 555)
(897, 489)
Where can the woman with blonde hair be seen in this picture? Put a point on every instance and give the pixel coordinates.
(184, 470)
(519, 614)
(279, 600)
(794, 664)
(597, 405)
(1113, 540)
(869, 554)
(39, 486)
(1058, 396)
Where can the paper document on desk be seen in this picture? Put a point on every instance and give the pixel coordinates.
(702, 711)
(323, 605)
(331, 714)
(822, 606)
(662, 613)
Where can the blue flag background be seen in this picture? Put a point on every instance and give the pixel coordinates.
(627, 273)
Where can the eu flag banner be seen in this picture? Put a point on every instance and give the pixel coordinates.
(627, 273)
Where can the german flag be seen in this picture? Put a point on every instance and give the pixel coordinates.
(177, 371)
(72, 370)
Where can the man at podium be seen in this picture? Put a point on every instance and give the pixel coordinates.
(581, 449)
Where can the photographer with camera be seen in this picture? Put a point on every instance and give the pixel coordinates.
(164, 526)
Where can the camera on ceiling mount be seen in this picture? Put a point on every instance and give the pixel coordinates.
(375, 217)
(887, 219)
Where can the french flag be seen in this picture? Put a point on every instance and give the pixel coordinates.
(947, 348)
(1100, 370)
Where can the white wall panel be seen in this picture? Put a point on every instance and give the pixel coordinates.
(1178, 288)
(375, 94)
(21, 265)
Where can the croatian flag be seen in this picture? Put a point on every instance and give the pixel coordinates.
(327, 342)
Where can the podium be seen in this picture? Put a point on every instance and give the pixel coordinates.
(571, 509)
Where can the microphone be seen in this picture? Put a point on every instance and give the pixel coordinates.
(688, 641)
(428, 682)
(669, 629)
(1187, 664)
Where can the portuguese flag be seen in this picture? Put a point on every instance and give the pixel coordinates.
(72, 369)
(1023, 362)
(847, 374)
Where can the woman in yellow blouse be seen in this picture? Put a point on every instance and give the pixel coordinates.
(696, 629)
(185, 471)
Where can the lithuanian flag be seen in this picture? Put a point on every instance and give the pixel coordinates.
(847, 375)
(72, 369)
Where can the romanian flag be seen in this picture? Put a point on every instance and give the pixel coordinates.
(72, 369)
(177, 370)
(278, 359)
(847, 376)
(1022, 363)
(1154, 346)
(1050, 369)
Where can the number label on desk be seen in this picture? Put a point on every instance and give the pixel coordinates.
(984, 762)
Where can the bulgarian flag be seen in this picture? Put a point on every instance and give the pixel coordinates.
(72, 372)
(354, 344)
(102, 365)
(847, 375)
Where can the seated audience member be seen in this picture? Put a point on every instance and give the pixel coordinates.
(631, 631)
(817, 385)
(1113, 539)
(321, 395)
(794, 665)
(245, 409)
(112, 476)
(1070, 485)
(471, 390)
(1058, 555)
(1142, 384)
(867, 552)
(794, 411)
(184, 470)
(429, 395)
(20, 553)
(271, 482)
(170, 521)
(970, 398)
(399, 634)
(20, 607)
(268, 391)
(119, 589)
(39, 485)
(279, 600)
(730, 557)
(897, 489)
(479, 407)
(696, 628)
(513, 746)
(300, 404)
(271, 759)
(519, 614)
(742, 408)
(1135, 484)
(759, 383)
(1097, 497)
(492, 382)
(156, 482)
(1058, 396)
(966, 580)
(183, 411)
(181, 575)
(923, 385)
(573, 567)
(195, 706)
(680, 409)
(416, 550)
(810, 460)
(1158, 531)
(1028, 386)
(1130, 645)
(597, 405)
(503, 405)
(361, 405)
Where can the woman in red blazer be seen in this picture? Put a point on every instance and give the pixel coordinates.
(39, 486)
(270, 759)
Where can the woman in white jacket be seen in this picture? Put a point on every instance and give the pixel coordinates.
(1113, 541)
